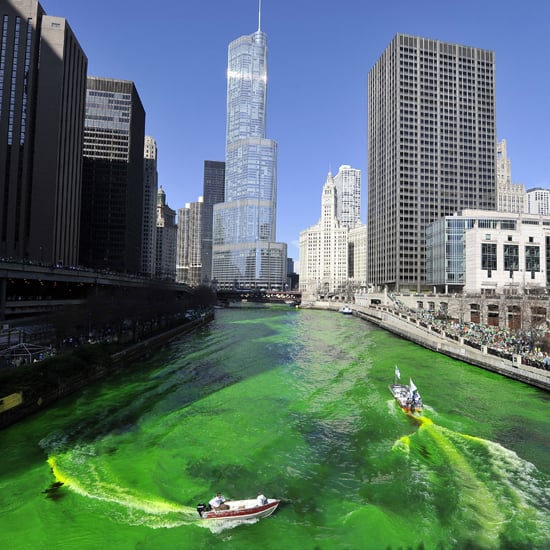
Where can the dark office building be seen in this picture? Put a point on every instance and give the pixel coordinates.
(112, 181)
(431, 149)
(213, 192)
(42, 91)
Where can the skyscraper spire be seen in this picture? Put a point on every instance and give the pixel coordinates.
(259, 15)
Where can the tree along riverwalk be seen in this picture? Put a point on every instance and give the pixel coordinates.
(436, 339)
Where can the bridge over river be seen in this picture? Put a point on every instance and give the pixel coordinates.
(291, 297)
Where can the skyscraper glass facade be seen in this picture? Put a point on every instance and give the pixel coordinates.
(244, 226)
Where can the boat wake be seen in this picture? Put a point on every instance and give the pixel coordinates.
(219, 526)
(489, 480)
(128, 505)
(76, 472)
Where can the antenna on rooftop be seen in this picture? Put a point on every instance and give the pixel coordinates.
(259, 15)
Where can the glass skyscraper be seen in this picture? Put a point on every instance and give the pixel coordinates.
(245, 253)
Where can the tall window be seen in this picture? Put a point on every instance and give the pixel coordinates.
(511, 257)
(532, 258)
(28, 45)
(488, 256)
(547, 261)
(13, 87)
(3, 49)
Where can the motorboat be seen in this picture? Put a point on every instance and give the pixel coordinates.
(406, 395)
(346, 310)
(239, 509)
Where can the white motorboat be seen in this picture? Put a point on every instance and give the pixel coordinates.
(239, 509)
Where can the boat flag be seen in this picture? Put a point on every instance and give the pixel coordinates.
(412, 387)
(397, 373)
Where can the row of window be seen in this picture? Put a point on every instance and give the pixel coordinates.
(510, 257)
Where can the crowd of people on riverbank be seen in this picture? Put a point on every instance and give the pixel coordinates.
(502, 341)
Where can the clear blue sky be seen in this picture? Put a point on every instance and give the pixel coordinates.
(320, 53)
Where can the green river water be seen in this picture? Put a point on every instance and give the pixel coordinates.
(294, 403)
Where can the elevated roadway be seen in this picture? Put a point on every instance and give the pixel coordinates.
(28, 289)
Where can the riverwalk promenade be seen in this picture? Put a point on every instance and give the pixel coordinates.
(17, 406)
(405, 324)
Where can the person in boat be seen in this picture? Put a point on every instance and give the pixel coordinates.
(261, 500)
(218, 502)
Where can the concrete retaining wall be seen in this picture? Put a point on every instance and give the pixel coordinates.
(426, 337)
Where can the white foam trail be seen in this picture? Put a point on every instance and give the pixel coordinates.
(137, 508)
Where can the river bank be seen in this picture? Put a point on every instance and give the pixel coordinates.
(296, 404)
(18, 405)
(434, 339)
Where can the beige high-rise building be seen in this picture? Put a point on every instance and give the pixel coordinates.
(510, 196)
(348, 189)
(189, 268)
(324, 250)
(357, 251)
(431, 149)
